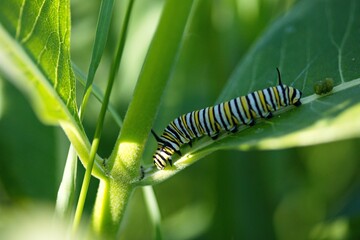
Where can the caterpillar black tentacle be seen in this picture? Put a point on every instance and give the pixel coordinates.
(226, 116)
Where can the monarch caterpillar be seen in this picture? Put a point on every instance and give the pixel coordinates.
(226, 116)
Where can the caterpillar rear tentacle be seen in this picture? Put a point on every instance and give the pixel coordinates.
(226, 116)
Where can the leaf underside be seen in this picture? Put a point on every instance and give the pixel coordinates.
(35, 56)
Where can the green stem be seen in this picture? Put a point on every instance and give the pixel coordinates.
(111, 201)
(100, 121)
(124, 162)
(152, 81)
(153, 209)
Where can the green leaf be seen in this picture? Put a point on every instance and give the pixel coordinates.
(314, 41)
(35, 56)
(98, 94)
(37, 34)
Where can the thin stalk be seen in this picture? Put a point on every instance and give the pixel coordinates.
(102, 31)
(100, 121)
(153, 209)
(65, 199)
(98, 94)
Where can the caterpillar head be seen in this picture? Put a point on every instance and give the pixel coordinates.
(162, 156)
(293, 95)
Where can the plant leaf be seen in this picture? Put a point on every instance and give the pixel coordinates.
(314, 41)
(40, 31)
(35, 56)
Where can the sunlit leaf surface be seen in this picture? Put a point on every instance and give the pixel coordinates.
(35, 56)
(314, 41)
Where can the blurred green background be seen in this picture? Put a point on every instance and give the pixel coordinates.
(302, 193)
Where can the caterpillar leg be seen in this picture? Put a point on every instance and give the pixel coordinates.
(170, 161)
(214, 137)
(269, 116)
(251, 123)
(234, 130)
(178, 153)
(142, 172)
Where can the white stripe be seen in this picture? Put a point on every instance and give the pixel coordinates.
(188, 123)
(222, 109)
(194, 124)
(242, 112)
(268, 99)
(253, 104)
(277, 106)
(201, 119)
(208, 121)
(259, 104)
(181, 134)
(234, 110)
(281, 95)
(174, 145)
(217, 116)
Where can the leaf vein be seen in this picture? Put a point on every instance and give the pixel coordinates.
(28, 36)
(19, 22)
(344, 38)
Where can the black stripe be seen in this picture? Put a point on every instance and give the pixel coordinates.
(177, 130)
(294, 95)
(190, 123)
(275, 91)
(206, 122)
(281, 93)
(263, 104)
(216, 123)
(250, 106)
(272, 101)
(253, 94)
(198, 132)
(218, 112)
(198, 126)
(232, 113)
(222, 107)
(287, 96)
(238, 109)
(183, 128)
(174, 133)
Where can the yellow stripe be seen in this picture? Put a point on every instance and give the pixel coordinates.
(228, 114)
(179, 132)
(245, 107)
(263, 101)
(188, 129)
(171, 138)
(276, 93)
(212, 119)
(197, 122)
(291, 92)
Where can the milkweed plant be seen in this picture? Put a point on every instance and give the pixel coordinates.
(195, 48)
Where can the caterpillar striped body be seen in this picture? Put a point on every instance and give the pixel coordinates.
(226, 116)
